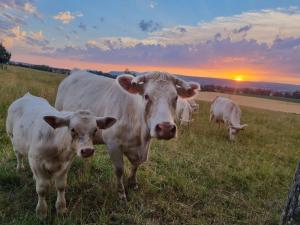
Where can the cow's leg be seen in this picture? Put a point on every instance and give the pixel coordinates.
(211, 117)
(20, 165)
(132, 181)
(60, 185)
(116, 156)
(41, 189)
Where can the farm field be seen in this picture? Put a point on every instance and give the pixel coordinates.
(199, 178)
(257, 102)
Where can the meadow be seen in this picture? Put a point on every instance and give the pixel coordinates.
(198, 178)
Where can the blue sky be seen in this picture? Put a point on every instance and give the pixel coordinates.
(222, 38)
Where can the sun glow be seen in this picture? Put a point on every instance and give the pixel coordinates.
(238, 78)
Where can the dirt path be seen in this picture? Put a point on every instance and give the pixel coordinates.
(260, 103)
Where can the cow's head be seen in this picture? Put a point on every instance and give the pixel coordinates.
(160, 92)
(82, 126)
(234, 130)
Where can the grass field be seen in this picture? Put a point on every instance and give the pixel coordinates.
(199, 178)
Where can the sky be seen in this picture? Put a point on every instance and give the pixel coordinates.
(241, 40)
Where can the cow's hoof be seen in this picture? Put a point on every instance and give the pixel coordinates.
(41, 213)
(61, 207)
(133, 185)
(62, 211)
(20, 168)
(122, 196)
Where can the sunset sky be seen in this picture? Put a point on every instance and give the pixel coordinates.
(242, 40)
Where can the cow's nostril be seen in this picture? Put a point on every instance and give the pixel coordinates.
(158, 128)
(173, 129)
(86, 152)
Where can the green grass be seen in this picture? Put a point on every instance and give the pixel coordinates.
(198, 178)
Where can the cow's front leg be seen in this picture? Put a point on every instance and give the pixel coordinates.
(42, 186)
(132, 180)
(20, 165)
(116, 156)
(60, 184)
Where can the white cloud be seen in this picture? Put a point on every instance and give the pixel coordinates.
(67, 17)
(264, 27)
(152, 4)
(38, 35)
(29, 8)
(110, 43)
(17, 33)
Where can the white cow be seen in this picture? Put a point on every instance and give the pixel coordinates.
(193, 104)
(224, 110)
(184, 111)
(144, 107)
(51, 139)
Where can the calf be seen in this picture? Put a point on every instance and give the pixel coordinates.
(226, 111)
(51, 139)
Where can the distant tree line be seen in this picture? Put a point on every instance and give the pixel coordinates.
(251, 91)
(42, 67)
(98, 72)
(4, 56)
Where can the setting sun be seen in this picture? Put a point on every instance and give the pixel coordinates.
(238, 78)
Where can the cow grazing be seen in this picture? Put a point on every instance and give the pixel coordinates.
(193, 104)
(184, 111)
(226, 111)
(144, 106)
(51, 139)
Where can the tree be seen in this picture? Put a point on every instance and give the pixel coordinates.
(127, 71)
(4, 55)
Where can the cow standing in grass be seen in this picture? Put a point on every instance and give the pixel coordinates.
(51, 139)
(184, 111)
(224, 110)
(144, 107)
(193, 104)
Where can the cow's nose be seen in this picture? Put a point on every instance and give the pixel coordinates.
(165, 130)
(87, 152)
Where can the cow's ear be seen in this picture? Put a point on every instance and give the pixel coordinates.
(56, 122)
(189, 91)
(105, 122)
(125, 81)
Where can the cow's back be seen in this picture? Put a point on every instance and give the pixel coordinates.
(22, 116)
(82, 90)
(225, 109)
(102, 96)
(221, 107)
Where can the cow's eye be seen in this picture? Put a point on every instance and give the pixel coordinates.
(175, 99)
(146, 97)
(73, 132)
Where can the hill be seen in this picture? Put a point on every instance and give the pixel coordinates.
(198, 178)
(231, 83)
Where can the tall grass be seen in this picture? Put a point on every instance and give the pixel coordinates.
(198, 178)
